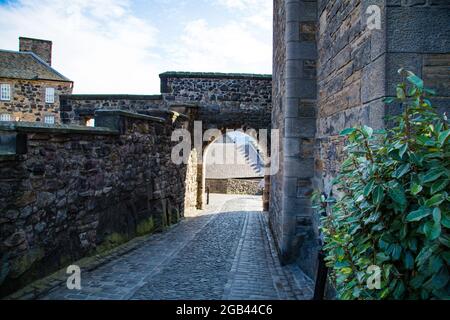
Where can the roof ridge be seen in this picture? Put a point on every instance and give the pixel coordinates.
(39, 59)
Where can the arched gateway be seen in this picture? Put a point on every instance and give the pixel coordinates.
(214, 103)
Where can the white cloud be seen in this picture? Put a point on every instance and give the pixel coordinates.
(244, 44)
(257, 12)
(229, 48)
(98, 44)
(105, 48)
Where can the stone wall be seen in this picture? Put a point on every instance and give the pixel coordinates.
(28, 99)
(230, 101)
(68, 191)
(278, 93)
(76, 108)
(234, 186)
(294, 112)
(358, 66)
(356, 69)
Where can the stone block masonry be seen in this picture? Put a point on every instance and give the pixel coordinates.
(223, 101)
(28, 99)
(331, 71)
(71, 191)
(77, 108)
(234, 186)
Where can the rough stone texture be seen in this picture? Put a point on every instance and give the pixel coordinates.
(278, 92)
(77, 108)
(357, 67)
(234, 186)
(42, 48)
(73, 193)
(223, 101)
(356, 70)
(351, 79)
(225, 252)
(294, 111)
(28, 99)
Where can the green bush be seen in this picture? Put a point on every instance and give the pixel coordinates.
(393, 205)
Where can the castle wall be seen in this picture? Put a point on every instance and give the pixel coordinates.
(68, 191)
(356, 70)
(76, 108)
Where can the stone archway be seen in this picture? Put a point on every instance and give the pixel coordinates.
(233, 160)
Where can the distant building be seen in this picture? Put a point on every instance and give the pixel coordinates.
(29, 86)
(234, 168)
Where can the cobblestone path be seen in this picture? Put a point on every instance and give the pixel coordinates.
(224, 252)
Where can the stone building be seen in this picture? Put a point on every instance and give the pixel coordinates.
(334, 64)
(233, 167)
(70, 191)
(29, 87)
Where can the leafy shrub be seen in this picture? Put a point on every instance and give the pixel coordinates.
(393, 207)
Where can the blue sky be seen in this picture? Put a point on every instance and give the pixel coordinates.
(120, 46)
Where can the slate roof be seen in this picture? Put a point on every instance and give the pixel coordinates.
(244, 165)
(27, 65)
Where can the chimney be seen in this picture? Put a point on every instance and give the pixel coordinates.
(42, 48)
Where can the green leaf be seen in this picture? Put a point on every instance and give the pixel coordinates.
(401, 93)
(416, 188)
(415, 80)
(368, 188)
(403, 150)
(367, 131)
(418, 215)
(378, 194)
(402, 170)
(408, 260)
(435, 264)
(389, 100)
(399, 290)
(398, 195)
(382, 257)
(445, 221)
(437, 215)
(443, 136)
(396, 252)
(432, 230)
(430, 91)
(435, 200)
(347, 131)
(432, 175)
(439, 185)
(417, 281)
(440, 279)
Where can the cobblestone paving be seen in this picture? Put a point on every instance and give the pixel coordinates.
(224, 252)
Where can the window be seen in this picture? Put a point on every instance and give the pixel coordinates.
(49, 119)
(90, 122)
(49, 95)
(5, 117)
(5, 92)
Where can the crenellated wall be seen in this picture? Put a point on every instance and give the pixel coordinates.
(71, 191)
